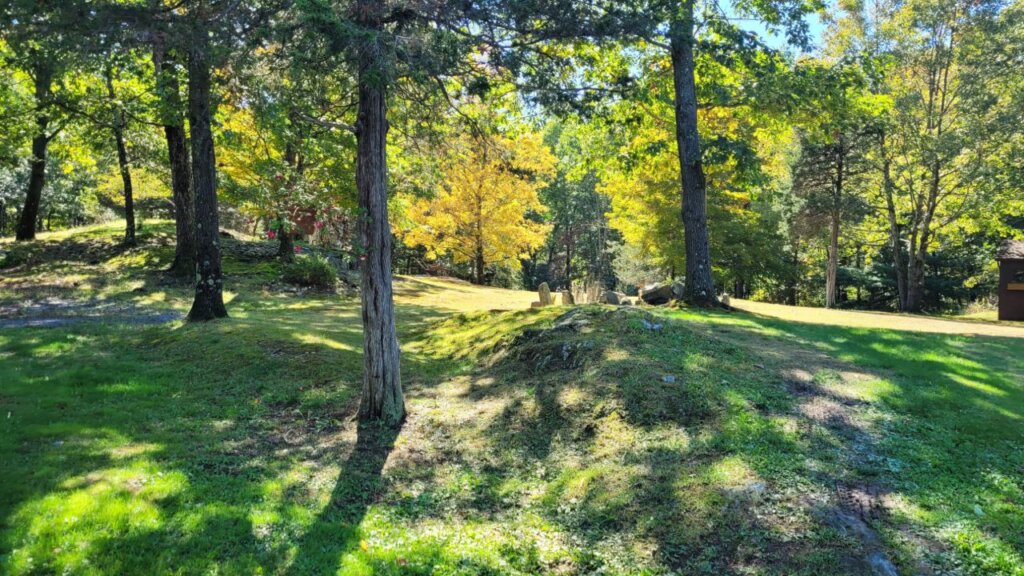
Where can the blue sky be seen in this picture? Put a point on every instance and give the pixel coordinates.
(778, 41)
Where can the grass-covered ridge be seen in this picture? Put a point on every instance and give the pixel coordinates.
(552, 441)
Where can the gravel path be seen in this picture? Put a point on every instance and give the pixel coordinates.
(56, 312)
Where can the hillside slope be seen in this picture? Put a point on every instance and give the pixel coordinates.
(554, 441)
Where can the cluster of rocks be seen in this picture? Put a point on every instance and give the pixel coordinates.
(614, 298)
(656, 296)
(557, 347)
(547, 298)
(663, 294)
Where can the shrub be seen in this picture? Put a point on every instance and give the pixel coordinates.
(15, 256)
(313, 270)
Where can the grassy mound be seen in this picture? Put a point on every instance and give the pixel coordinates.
(553, 441)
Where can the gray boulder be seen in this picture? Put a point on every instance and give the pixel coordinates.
(659, 295)
(609, 297)
(544, 294)
(678, 289)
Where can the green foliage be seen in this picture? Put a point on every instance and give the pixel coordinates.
(311, 270)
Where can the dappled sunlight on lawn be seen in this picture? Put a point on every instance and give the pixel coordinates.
(719, 442)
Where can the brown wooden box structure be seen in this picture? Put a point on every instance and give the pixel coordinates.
(1011, 280)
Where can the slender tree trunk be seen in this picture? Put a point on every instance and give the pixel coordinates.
(118, 129)
(286, 246)
(286, 238)
(700, 286)
(478, 263)
(895, 239)
(184, 264)
(832, 272)
(791, 290)
(209, 300)
(382, 398)
(568, 257)
(919, 256)
(43, 79)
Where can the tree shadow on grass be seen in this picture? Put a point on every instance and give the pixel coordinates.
(957, 404)
(360, 483)
(684, 461)
(230, 412)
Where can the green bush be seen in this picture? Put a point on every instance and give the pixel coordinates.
(313, 270)
(16, 256)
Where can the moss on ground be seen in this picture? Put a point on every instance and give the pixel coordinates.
(552, 441)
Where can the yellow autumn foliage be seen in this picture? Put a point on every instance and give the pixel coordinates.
(481, 207)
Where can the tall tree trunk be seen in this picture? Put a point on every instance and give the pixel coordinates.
(286, 236)
(936, 114)
(568, 257)
(791, 289)
(832, 272)
(382, 398)
(184, 264)
(895, 239)
(118, 128)
(699, 286)
(43, 80)
(209, 300)
(919, 255)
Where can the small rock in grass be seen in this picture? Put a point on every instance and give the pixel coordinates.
(651, 325)
(668, 378)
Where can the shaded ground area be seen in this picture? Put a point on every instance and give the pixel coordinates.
(595, 440)
(884, 320)
(55, 312)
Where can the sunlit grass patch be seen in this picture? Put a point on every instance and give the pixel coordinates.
(610, 447)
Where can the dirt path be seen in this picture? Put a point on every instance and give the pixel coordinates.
(55, 312)
(884, 320)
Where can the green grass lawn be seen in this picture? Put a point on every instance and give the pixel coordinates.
(717, 443)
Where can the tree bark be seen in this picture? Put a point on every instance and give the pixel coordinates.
(478, 264)
(919, 254)
(382, 398)
(700, 285)
(184, 264)
(118, 128)
(286, 238)
(43, 80)
(209, 299)
(286, 246)
(895, 239)
(791, 288)
(568, 257)
(936, 114)
(832, 272)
